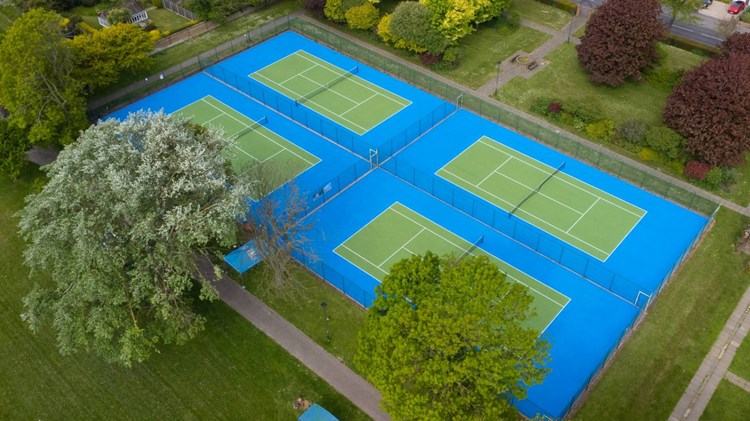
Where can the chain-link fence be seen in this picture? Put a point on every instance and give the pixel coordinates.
(509, 118)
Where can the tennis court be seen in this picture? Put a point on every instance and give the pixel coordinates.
(573, 211)
(254, 144)
(333, 92)
(399, 232)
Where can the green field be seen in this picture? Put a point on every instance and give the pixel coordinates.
(399, 233)
(253, 144)
(231, 371)
(541, 13)
(729, 403)
(741, 363)
(654, 368)
(336, 93)
(582, 215)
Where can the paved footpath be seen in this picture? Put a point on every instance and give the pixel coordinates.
(714, 367)
(329, 368)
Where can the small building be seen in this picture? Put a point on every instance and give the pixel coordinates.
(137, 13)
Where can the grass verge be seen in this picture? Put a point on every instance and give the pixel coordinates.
(303, 310)
(487, 46)
(164, 20)
(741, 363)
(654, 368)
(541, 13)
(232, 371)
(729, 403)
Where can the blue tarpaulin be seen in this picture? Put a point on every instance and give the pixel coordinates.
(243, 258)
(317, 413)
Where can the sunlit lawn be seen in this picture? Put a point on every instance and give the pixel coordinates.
(541, 13)
(729, 403)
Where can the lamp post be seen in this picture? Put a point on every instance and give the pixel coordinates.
(325, 319)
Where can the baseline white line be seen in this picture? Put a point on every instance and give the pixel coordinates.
(361, 257)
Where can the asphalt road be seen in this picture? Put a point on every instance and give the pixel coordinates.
(704, 30)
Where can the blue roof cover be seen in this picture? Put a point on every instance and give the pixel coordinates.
(244, 257)
(317, 413)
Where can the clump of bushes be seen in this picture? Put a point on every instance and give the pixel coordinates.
(364, 16)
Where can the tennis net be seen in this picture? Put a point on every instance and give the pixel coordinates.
(536, 190)
(353, 71)
(261, 122)
(472, 247)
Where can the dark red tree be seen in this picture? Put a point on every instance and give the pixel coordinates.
(620, 40)
(711, 110)
(737, 43)
(315, 6)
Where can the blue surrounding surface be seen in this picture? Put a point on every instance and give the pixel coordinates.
(594, 321)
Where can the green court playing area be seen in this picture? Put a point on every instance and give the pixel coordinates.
(399, 232)
(336, 93)
(253, 144)
(579, 214)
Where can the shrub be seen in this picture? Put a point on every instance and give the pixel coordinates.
(509, 19)
(155, 34)
(430, 59)
(157, 3)
(737, 43)
(714, 178)
(554, 108)
(412, 22)
(696, 170)
(118, 16)
(602, 130)
(648, 154)
(632, 132)
(364, 17)
(86, 27)
(676, 166)
(334, 10)
(665, 141)
(451, 56)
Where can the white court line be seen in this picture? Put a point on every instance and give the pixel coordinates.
(361, 257)
(582, 215)
(466, 250)
(399, 249)
(329, 90)
(313, 101)
(336, 68)
(533, 160)
(266, 136)
(531, 188)
(494, 171)
(542, 221)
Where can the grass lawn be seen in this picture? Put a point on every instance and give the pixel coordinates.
(304, 311)
(564, 78)
(654, 368)
(729, 403)
(207, 41)
(232, 371)
(741, 363)
(541, 13)
(485, 47)
(164, 20)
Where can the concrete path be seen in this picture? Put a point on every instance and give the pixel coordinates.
(329, 368)
(714, 367)
(510, 70)
(738, 381)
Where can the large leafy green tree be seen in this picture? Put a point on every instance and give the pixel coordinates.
(411, 23)
(37, 82)
(102, 57)
(13, 146)
(444, 339)
(682, 10)
(126, 210)
(620, 40)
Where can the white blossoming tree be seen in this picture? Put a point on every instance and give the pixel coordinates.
(126, 210)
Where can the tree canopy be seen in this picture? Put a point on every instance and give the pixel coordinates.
(620, 40)
(126, 210)
(737, 43)
(37, 82)
(682, 10)
(411, 22)
(102, 57)
(709, 109)
(444, 339)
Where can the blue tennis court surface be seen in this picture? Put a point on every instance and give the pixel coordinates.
(420, 163)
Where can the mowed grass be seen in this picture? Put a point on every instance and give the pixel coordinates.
(564, 79)
(541, 13)
(654, 368)
(303, 310)
(483, 49)
(232, 371)
(166, 20)
(729, 403)
(741, 363)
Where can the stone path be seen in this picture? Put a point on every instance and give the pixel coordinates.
(714, 367)
(738, 381)
(329, 368)
(510, 70)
